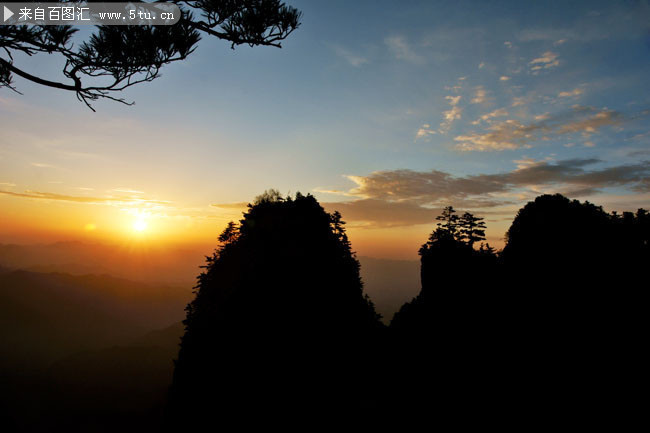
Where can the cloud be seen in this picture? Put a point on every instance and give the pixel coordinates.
(519, 101)
(479, 96)
(645, 136)
(636, 153)
(512, 134)
(375, 213)
(434, 187)
(407, 197)
(588, 126)
(559, 36)
(353, 59)
(425, 131)
(422, 187)
(489, 116)
(548, 60)
(235, 205)
(575, 92)
(117, 201)
(617, 21)
(127, 191)
(449, 116)
(400, 48)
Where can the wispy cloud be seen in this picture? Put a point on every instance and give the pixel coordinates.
(520, 101)
(592, 122)
(637, 153)
(449, 116)
(42, 165)
(479, 96)
(509, 134)
(118, 201)
(575, 92)
(407, 197)
(546, 61)
(127, 191)
(400, 48)
(425, 131)
(373, 213)
(501, 112)
(512, 134)
(350, 57)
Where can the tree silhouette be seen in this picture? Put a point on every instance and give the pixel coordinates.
(449, 224)
(531, 329)
(556, 231)
(280, 326)
(571, 273)
(117, 57)
(472, 229)
(438, 336)
(449, 265)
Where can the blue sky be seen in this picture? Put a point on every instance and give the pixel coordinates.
(386, 110)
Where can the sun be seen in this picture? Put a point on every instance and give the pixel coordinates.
(140, 221)
(140, 225)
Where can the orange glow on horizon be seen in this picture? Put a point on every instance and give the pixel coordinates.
(45, 222)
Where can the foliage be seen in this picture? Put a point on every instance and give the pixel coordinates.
(279, 309)
(467, 229)
(472, 229)
(562, 304)
(117, 57)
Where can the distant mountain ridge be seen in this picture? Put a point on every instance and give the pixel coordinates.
(176, 266)
(46, 316)
(388, 282)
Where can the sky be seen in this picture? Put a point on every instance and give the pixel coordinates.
(386, 111)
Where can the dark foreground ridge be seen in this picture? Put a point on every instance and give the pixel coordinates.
(550, 331)
(280, 326)
(547, 331)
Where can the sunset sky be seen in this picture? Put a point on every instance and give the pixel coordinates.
(386, 111)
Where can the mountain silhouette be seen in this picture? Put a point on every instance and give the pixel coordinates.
(280, 326)
(280, 331)
(547, 329)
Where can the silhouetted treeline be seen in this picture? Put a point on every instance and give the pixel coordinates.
(280, 328)
(549, 329)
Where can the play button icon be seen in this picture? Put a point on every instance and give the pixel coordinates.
(8, 13)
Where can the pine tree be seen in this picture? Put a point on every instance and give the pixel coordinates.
(449, 224)
(472, 229)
